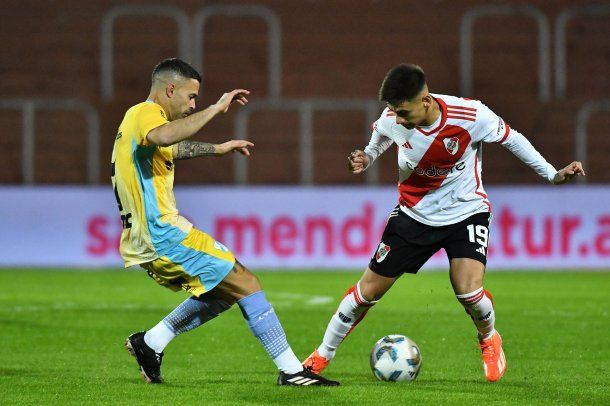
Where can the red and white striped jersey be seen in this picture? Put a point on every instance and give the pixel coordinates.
(439, 180)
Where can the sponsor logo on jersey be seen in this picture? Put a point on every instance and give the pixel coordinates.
(452, 144)
(382, 251)
(407, 145)
(434, 171)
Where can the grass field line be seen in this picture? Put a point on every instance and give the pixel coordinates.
(288, 299)
(80, 306)
(280, 299)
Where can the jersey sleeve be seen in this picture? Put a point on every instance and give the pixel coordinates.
(150, 117)
(520, 146)
(492, 128)
(380, 140)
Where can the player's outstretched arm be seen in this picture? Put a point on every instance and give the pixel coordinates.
(568, 173)
(191, 149)
(357, 161)
(181, 129)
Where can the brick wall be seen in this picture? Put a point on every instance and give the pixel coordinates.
(331, 49)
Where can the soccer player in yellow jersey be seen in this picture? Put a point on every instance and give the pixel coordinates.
(175, 254)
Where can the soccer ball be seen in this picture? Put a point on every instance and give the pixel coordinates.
(395, 358)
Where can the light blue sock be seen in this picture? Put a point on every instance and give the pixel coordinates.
(188, 315)
(193, 313)
(264, 324)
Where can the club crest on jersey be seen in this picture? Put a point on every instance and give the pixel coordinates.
(382, 251)
(452, 145)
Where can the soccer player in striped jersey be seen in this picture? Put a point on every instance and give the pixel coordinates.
(442, 204)
(175, 254)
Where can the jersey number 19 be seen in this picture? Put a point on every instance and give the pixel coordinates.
(125, 217)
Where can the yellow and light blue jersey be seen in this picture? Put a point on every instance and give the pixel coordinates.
(143, 182)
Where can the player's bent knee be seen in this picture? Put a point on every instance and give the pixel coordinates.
(462, 286)
(466, 275)
(370, 292)
(219, 295)
(374, 286)
(238, 283)
(467, 287)
(246, 279)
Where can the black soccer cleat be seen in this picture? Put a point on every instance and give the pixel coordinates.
(304, 378)
(148, 360)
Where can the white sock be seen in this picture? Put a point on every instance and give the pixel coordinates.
(288, 362)
(479, 306)
(351, 310)
(158, 337)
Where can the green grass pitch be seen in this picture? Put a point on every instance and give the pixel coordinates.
(62, 337)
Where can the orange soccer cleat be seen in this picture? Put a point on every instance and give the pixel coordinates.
(315, 362)
(494, 361)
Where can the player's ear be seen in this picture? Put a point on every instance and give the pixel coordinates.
(427, 100)
(169, 90)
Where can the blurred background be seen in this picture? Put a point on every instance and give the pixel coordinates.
(70, 69)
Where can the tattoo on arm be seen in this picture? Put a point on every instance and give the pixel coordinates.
(190, 149)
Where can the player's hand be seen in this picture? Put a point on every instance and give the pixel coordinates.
(568, 173)
(357, 161)
(237, 95)
(240, 146)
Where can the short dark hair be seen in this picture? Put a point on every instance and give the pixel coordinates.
(177, 67)
(402, 83)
